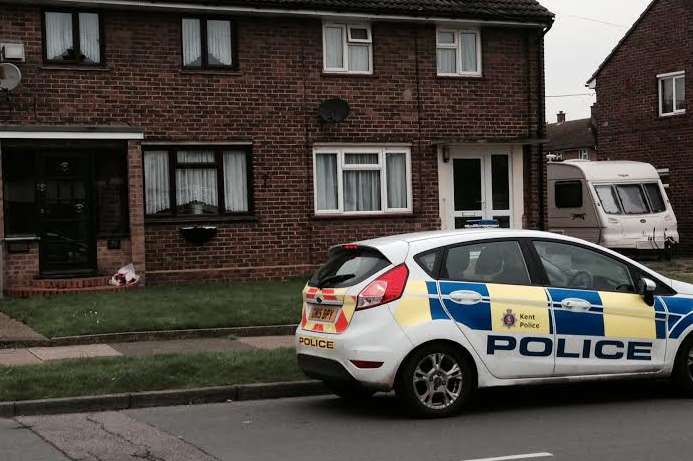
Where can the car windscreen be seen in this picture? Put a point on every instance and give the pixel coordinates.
(348, 266)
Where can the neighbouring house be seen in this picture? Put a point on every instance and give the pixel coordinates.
(240, 139)
(641, 111)
(569, 140)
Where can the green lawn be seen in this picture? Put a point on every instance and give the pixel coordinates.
(202, 305)
(164, 372)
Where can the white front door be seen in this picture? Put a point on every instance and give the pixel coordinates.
(481, 189)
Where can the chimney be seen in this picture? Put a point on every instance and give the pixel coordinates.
(560, 117)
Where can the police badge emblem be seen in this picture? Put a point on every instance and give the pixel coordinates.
(509, 319)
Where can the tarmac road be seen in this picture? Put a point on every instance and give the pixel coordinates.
(614, 421)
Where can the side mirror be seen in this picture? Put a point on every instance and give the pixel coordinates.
(647, 290)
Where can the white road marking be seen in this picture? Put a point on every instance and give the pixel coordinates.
(505, 458)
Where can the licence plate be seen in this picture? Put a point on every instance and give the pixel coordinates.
(323, 314)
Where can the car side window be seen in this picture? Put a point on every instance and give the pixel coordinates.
(576, 267)
(487, 262)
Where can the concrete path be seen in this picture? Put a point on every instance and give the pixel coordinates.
(37, 355)
(14, 330)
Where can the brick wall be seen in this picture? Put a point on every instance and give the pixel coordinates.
(627, 109)
(273, 101)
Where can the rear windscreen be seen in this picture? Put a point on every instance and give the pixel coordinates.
(348, 266)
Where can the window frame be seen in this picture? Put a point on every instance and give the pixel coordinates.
(583, 154)
(340, 152)
(674, 76)
(173, 166)
(204, 48)
(568, 182)
(457, 45)
(76, 41)
(346, 40)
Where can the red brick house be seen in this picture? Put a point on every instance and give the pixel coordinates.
(641, 111)
(241, 138)
(568, 140)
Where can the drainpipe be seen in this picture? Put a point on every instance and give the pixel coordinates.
(541, 123)
(2, 233)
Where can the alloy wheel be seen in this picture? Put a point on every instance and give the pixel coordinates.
(437, 380)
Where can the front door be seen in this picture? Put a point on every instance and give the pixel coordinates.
(65, 206)
(481, 189)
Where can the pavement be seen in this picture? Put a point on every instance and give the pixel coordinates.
(37, 355)
(14, 330)
(605, 421)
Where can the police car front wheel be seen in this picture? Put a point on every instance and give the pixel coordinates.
(683, 368)
(435, 381)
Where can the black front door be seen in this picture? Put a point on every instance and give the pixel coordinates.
(66, 214)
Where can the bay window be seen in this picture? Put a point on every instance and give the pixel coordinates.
(72, 37)
(357, 180)
(458, 52)
(194, 183)
(347, 48)
(208, 43)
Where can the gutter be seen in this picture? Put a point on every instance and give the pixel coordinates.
(193, 7)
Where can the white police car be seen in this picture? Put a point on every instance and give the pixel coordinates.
(436, 315)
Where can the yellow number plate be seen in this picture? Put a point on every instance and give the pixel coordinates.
(323, 314)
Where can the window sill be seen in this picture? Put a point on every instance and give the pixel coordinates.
(76, 67)
(225, 72)
(347, 74)
(199, 220)
(460, 76)
(329, 217)
(673, 114)
(22, 238)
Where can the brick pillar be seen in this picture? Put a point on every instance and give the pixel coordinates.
(136, 204)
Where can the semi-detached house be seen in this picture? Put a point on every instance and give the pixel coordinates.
(236, 139)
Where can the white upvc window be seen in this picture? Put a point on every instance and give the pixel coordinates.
(584, 154)
(672, 93)
(362, 180)
(458, 52)
(347, 48)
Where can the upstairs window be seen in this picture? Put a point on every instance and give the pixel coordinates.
(362, 180)
(72, 37)
(672, 94)
(347, 48)
(208, 43)
(458, 52)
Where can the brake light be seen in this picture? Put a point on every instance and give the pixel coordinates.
(386, 288)
(351, 246)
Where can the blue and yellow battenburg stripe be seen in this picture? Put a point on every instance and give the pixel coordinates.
(615, 315)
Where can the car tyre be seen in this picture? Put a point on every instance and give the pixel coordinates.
(436, 381)
(683, 368)
(349, 391)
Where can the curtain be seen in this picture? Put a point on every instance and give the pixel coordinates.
(396, 165)
(156, 183)
(219, 43)
(89, 38)
(58, 35)
(193, 156)
(235, 181)
(359, 57)
(361, 159)
(362, 190)
(469, 52)
(334, 47)
(196, 189)
(192, 52)
(326, 181)
(447, 60)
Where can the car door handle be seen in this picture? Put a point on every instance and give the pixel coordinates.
(576, 304)
(466, 298)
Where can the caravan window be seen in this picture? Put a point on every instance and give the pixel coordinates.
(568, 194)
(654, 195)
(607, 196)
(633, 199)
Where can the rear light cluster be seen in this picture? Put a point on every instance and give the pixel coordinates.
(385, 289)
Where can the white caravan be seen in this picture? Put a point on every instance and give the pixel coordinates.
(616, 204)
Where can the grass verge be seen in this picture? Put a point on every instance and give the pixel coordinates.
(164, 372)
(202, 305)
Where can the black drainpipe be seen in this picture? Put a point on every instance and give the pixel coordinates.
(541, 123)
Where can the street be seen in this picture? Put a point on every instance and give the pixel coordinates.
(607, 421)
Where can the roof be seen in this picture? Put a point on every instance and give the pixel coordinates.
(574, 134)
(617, 170)
(621, 42)
(498, 10)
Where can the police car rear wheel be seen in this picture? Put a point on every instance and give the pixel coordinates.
(436, 381)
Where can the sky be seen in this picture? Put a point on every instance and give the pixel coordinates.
(583, 35)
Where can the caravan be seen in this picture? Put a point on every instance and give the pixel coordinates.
(617, 204)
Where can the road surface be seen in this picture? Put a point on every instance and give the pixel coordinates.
(614, 421)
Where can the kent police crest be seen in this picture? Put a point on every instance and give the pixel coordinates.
(509, 318)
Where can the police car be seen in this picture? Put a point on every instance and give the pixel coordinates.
(436, 315)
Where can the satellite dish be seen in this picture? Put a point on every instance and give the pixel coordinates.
(334, 110)
(10, 76)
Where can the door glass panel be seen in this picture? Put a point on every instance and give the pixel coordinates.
(571, 266)
(500, 182)
(490, 262)
(467, 179)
